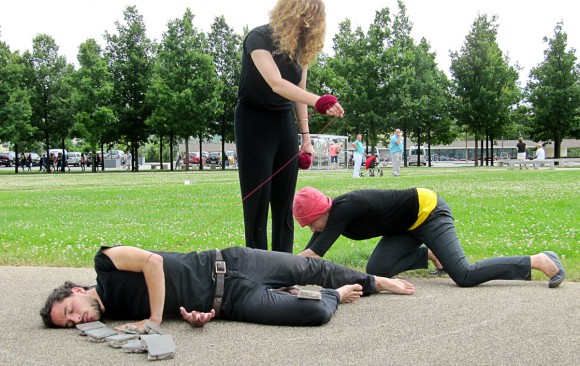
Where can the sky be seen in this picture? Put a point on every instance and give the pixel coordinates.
(523, 24)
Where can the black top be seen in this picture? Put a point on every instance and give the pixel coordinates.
(188, 283)
(366, 214)
(521, 146)
(254, 90)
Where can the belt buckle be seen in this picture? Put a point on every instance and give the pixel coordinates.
(220, 267)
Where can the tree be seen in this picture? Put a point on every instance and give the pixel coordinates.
(554, 93)
(484, 84)
(429, 99)
(184, 85)
(91, 98)
(15, 110)
(130, 59)
(357, 63)
(47, 75)
(225, 47)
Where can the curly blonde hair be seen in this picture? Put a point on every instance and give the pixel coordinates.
(301, 43)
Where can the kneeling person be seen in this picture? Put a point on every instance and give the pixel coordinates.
(404, 220)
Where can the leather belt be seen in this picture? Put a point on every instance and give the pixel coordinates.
(220, 272)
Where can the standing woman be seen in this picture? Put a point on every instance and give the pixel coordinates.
(272, 95)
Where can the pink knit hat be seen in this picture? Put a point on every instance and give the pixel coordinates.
(309, 205)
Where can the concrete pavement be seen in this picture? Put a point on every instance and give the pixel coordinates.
(498, 323)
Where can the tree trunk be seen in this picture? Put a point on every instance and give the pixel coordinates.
(481, 151)
(187, 153)
(491, 148)
(171, 152)
(16, 158)
(161, 152)
(475, 151)
(200, 153)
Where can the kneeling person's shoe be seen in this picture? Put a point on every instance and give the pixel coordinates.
(438, 272)
(559, 277)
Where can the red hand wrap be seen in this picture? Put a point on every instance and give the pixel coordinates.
(325, 102)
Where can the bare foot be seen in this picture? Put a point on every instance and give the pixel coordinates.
(545, 264)
(434, 259)
(394, 285)
(349, 293)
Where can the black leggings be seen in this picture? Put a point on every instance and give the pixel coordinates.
(402, 252)
(265, 141)
(253, 275)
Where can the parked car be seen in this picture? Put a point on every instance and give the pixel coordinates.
(7, 158)
(114, 154)
(193, 158)
(34, 157)
(55, 152)
(74, 158)
(413, 152)
(214, 158)
(230, 155)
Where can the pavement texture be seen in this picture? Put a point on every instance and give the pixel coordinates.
(497, 323)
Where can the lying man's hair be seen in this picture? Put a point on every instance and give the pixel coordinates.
(57, 295)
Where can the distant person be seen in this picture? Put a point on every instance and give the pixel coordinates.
(521, 147)
(357, 156)
(129, 158)
(22, 161)
(272, 99)
(333, 151)
(178, 160)
(83, 161)
(396, 151)
(404, 220)
(43, 163)
(53, 162)
(540, 154)
(29, 162)
(239, 284)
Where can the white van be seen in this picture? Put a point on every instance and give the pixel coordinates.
(56, 152)
(412, 155)
(74, 158)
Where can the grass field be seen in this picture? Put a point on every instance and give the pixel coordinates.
(62, 219)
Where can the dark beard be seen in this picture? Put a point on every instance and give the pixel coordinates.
(96, 307)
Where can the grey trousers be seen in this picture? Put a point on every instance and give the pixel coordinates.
(253, 275)
(402, 252)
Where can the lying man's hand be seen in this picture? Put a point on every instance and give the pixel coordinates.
(135, 328)
(197, 319)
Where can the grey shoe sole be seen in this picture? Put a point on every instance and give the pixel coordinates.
(559, 277)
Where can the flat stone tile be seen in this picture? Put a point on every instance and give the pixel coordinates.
(160, 347)
(99, 334)
(119, 340)
(82, 328)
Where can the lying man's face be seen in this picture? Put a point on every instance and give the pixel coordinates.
(75, 309)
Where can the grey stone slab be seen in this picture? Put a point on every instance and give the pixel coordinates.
(152, 328)
(133, 346)
(160, 348)
(99, 334)
(118, 340)
(82, 328)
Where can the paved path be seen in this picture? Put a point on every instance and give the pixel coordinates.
(499, 323)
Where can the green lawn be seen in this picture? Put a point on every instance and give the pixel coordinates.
(61, 219)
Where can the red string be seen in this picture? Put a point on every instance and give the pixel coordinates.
(249, 194)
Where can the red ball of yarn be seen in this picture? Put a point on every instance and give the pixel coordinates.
(325, 102)
(305, 161)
